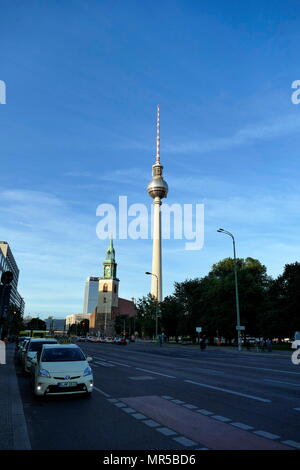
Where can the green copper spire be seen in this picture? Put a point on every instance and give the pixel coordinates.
(110, 252)
(110, 265)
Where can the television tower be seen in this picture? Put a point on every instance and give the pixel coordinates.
(157, 189)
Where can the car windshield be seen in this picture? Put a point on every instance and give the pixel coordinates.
(37, 345)
(62, 355)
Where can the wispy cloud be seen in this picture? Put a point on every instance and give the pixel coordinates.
(250, 133)
(278, 127)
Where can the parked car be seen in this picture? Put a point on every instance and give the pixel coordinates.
(22, 350)
(34, 345)
(120, 340)
(108, 339)
(60, 369)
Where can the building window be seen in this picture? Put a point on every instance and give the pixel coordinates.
(115, 289)
(104, 287)
(104, 300)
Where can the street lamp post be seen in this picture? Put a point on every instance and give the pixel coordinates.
(156, 313)
(221, 230)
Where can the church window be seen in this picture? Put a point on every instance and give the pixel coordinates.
(115, 289)
(104, 287)
(104, 300)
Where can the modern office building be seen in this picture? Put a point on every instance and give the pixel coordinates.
(8, 263)
(55, 324)
(91, 289)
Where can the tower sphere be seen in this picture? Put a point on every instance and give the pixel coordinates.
(157, 188)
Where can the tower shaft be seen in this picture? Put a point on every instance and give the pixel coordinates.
(156, 281)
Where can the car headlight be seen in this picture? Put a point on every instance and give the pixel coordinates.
(87, 371)
(43, 373)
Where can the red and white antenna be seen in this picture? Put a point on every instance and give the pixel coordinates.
(157, 137)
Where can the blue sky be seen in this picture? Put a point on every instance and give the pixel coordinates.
(83, 80)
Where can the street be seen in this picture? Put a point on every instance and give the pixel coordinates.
(172, 397)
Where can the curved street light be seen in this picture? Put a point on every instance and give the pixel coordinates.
(221, 230)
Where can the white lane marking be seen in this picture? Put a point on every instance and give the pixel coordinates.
(292, 443)
(178, 402)
(281, 382)
(242, 426)
(166, 397)
(240, 366)
(232, 392)
(157, 373)
(266, 434)
(129, 410)
(105, 364)
(189, 406)
(184, 441)
(151, 423)
(139, 416)
(221, 418)
(205, 412)
(113, 400)
(119, 363)
(297, 409)
(101, 391)
(166, 431)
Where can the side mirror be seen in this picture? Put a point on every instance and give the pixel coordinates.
(89, 359)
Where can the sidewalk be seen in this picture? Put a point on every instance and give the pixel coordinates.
(13, 428)
(224, 349)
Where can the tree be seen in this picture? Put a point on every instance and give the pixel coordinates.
(171, 312)
(282, 316)
(13, 323)
(120, 324)
(188, 296)
(147, 308)
(83, 327)
(210, 303)
(36, 324)
(253, 284)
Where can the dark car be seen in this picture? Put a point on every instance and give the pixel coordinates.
(120, 340)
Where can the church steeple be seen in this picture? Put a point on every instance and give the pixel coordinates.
(110, 252)
(110, 265)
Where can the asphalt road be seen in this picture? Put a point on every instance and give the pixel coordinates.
(173, 397)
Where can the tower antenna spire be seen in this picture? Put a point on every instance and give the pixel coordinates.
(158, 136)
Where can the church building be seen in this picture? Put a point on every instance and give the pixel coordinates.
(110, 305)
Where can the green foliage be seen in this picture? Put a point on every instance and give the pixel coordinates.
(268, 308)
(13, 323)
(121, 324)
(36, 324)
(147, 308)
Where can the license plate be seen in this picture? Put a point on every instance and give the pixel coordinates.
(67, 384)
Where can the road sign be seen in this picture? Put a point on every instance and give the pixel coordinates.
(240, 328)
(198, 329)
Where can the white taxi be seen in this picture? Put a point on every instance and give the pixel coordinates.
(61, 369)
